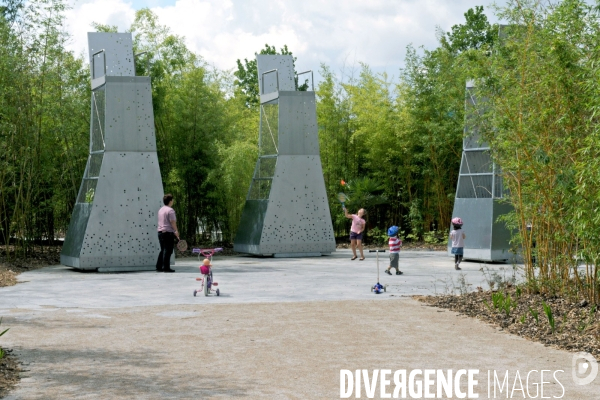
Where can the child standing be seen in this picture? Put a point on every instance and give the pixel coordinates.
(395, 245)
(458, 241)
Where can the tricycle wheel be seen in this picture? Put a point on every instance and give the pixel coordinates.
(218, 292)
(195, 291)
(206, 289)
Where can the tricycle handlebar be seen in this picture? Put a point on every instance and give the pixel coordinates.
(207, 252)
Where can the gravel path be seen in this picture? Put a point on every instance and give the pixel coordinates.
(292, 349)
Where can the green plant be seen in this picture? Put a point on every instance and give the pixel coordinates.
(433, 237)
(412, 237)
(2, 353)
(503, 303)
(523, 318)
(586, 321)
(509, 303)
(549, 315)
(497, 299)
(518, 292)
(415, 219)
(534, 314)
(487, 305)
(564, 323)
(378, 236)
(89, 195)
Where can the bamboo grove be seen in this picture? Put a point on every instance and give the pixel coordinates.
(396, 141)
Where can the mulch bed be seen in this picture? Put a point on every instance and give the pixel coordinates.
(9, 373)
(576, 323)
(11, 264)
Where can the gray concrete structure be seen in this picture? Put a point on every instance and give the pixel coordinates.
(479, 194)
(113, 225)
(286, 211)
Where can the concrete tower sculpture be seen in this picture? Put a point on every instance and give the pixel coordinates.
(478, 195)
(286, 212)
(113, 225)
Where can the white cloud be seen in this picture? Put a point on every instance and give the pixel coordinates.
(335, 32)
(109, 12)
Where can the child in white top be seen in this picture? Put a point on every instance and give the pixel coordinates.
(457, 237)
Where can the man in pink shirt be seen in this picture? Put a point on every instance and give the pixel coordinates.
(356, 231)
(167, 232)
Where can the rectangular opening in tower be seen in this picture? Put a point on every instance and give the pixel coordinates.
(98, 112)
(262, 179)
(269, 129)
(474, 187)
(476, 162)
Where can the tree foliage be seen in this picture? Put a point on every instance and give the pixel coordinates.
(540, 82)
(44, 117)
(476, 33)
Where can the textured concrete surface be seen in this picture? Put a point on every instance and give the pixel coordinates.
(245, 280)
(283, 329)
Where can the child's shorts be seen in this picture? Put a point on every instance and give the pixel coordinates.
(394, 257)
(457, 250)
(355, 236)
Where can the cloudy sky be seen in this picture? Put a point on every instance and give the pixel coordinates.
(339, 33)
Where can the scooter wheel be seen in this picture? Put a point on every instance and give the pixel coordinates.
(195, 293)
(218, 292)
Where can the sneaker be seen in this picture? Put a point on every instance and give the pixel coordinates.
(387, 271)
(456, 267)
(399, 273)
(169, 270)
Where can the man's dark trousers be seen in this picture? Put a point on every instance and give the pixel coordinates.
(167, 242)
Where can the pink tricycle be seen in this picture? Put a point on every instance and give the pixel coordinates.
(206, 271)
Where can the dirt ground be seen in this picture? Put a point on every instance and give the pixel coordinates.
(256, 351)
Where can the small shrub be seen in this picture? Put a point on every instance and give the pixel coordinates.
(412, 237)
(378, 237)
(433, 237)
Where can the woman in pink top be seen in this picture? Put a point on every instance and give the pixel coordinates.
(356, 231)
(167, 232)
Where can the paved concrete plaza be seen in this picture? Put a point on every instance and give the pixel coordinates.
(282, 328)
(245, 279)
